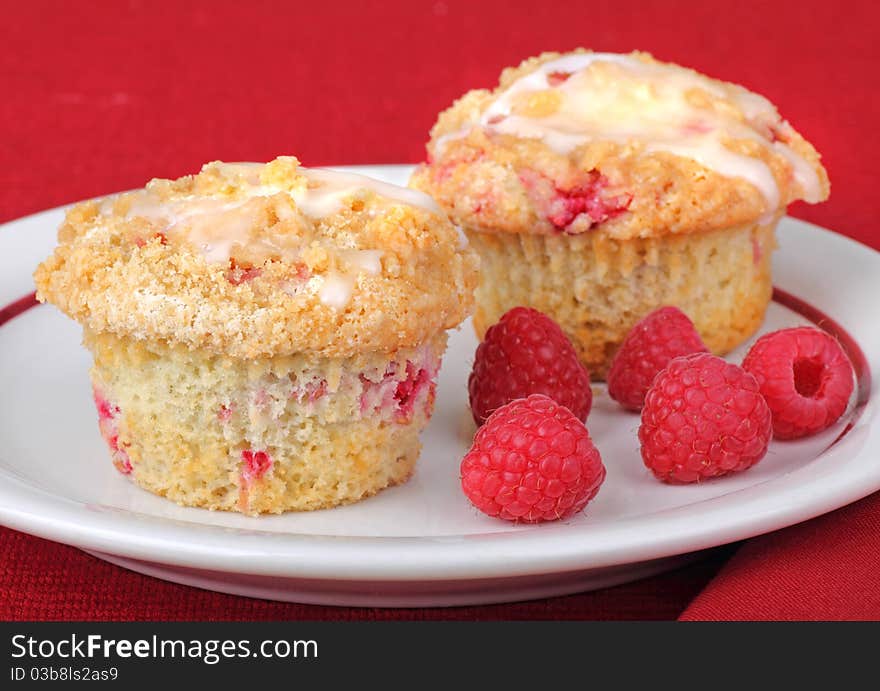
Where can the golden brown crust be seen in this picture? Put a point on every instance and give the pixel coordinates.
(121, 269)
(498, 182)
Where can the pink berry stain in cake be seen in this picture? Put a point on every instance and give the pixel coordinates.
(302, 271)
(696, 127)
(757, 252)
(482, 203)
(441, 172)
(225, 413)
(396, 398)
(297, 280)
(261, 398)
(108, 423)
(161, 237)
(378, 396)
(310, 391)
(588, 199)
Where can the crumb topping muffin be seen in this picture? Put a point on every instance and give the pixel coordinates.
(266, 337)
(250, 260)
(598, 186)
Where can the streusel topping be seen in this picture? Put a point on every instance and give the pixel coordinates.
(571, 142)
(253, 259)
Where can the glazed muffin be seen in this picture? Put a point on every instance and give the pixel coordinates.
(597, 187)
(266, 337)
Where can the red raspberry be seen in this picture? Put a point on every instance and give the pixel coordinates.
(805, 377)
(525, 353)
(703, 417)
(532, 461)
(648, 347)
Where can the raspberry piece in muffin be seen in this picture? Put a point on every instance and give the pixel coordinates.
(255, 464)
(270, 334)
(586, 204)
(108, 424)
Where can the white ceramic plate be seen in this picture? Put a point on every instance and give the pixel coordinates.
(422, 543)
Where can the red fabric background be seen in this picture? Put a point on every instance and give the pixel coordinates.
(100, 97)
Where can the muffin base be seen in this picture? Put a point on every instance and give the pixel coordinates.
(596, 287)
(262, 436)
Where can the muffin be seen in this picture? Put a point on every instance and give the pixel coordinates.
(597, 187)
(266, 338)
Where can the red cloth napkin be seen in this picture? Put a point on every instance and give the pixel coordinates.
(100, 99)
(827, 568)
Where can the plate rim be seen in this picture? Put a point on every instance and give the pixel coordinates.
(547, 549)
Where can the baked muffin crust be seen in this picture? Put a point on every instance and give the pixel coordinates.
(252, 260)
(624, 144)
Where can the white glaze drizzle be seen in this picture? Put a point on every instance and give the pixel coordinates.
(804, 174)
(621, 98)
(336, 289)
(365, 261)
(327, 189)
(337, 285)
(216, 224)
